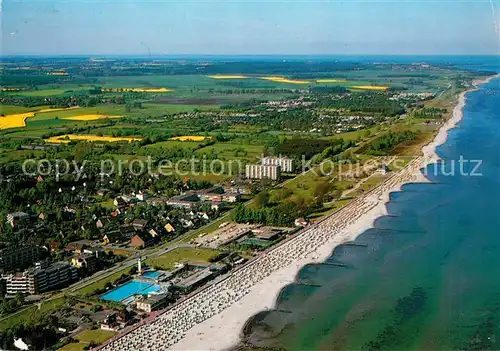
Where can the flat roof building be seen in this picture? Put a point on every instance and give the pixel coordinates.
(152, 303)
(38, 280)
(195, 280)
(261, 172)
(267, 233)
(15, 258)
(285, 163)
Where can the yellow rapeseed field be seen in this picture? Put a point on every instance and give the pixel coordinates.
(228, 77)
(57, 109)
(139, 90)
(370, 87)
(72, 137)
(331, 81)
(17, 120)
(89, 117)
(189, 138)
(285, 80)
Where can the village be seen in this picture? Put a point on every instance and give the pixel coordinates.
(154, 261)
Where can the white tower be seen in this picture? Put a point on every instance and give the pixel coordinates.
(139, 268)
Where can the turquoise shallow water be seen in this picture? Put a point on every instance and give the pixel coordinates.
(429, 276)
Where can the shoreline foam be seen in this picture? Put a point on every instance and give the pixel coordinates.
(264, 295)
(222, 329)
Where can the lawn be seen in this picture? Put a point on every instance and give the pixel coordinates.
(97, 336)
(50, 92)
(368, 185)
(13, 109)
(174, 144)
(158, 109)
(232, 150)
(112, 110)
(182, 254)
(74, 346)
(18, 155)
(31, 313)
(100, 284)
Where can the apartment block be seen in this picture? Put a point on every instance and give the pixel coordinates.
(40, 279)
(261, 171)
(285, 163)
(15, 258)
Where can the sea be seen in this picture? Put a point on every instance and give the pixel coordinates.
(427, 275)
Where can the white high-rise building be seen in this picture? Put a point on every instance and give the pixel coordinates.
(260, 172)
(285, 163)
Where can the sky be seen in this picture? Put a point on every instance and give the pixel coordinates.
(313, 27)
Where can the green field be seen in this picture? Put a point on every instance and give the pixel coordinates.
(100, 284)
(174, 144)
(31, 313)
(232, 150)
(13, 109)
(74, 346)
(97, 336)
(51, 92)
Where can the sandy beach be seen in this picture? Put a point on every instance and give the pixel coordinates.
(214, 318)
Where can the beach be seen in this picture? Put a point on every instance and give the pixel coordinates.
(215, 317)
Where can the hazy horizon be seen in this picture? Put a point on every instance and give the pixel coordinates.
(251, 27)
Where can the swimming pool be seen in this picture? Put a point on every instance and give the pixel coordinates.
(131, 288)
(151, 274)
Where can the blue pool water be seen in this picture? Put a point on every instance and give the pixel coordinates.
(151, 274)
(129, 289)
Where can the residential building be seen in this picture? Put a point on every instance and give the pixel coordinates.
(20, 283)
(38, 280)
(16, 258)
(102, 192)
(139, 224)
(261, 171)
(152, 303)
(300, 222)
(112, 237)
(231, 197)
(110, 322)
(142, 196)
(79, 246)
(85, 261)
(3, 287)
(285, 163)
(141, 240)
(46, 216)
(57, 275)
(120, 203)
(169, 228)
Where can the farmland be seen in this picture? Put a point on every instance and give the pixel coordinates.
(209, 120)
(89, 117)
(91, 138)
(286, 80)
